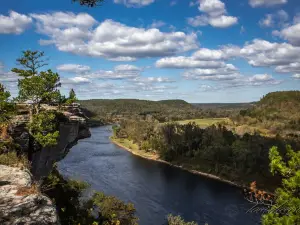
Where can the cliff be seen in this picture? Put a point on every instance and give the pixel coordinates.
(21, 201)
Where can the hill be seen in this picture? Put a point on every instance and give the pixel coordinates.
(166, 110)
(277, 111)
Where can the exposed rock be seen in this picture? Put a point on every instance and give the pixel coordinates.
(20, 207)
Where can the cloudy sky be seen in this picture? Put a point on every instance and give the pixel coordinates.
(196, 50)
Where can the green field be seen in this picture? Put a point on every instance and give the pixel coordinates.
(204, 122)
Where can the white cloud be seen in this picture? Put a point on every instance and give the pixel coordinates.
(226, 73)
(150, 80)
(15, 23)
(157, 24)
(119, 72)
(264, 53)
(215, 14)
(213, 8)
(181, 62)
(292, 34)
(293, 67)
(266, 3)
(76, 34)
(73, 68)
(279, 18)
(296, 76)
(197, 21)
(134, 3)
(75, 80)
(223, 21)
(203, 58)
(267, 21)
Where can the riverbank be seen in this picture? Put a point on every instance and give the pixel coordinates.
(133, 148)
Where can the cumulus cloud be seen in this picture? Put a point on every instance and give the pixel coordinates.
(182, 62)
(151, 80)
(266, 3)
(14, 23)
(291, 34)
(214, 14)
(119, 72)
(73, 68)
(134, 3)
(228, 72)
(77, 34)
(264, 53)
(204, 58)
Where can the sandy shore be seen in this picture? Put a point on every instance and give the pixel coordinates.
(155, 157)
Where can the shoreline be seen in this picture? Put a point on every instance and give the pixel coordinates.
(154, 157)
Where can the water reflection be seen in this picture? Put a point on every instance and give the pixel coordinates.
(154, 188)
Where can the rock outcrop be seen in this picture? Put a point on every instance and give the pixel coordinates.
(20, 203)
(20, 200)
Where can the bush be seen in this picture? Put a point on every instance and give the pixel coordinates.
(12, 159)
(177, 220)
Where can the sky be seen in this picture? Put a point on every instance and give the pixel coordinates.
(201, 51)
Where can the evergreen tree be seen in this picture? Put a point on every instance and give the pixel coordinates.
(36, 87)
(72, 97)
(6, 107)
(287, 206)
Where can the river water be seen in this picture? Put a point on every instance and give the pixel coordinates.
(156, 189)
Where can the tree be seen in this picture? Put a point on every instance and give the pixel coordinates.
(89, 3)
(31, 61)
(6, 107)
(177, 220)
(72, 97)
(44, 128)
(36, 87)
(286, 209)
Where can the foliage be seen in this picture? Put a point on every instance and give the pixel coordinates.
(163, 111)
(89, 3)
(213, 150)
(6, 107)
(44, 128)
(31, 61)
(72, 97)
(276, 111)
(40, 89)
(12, 159)
(37, 87)
(286, 209)
(67, 194)
(113, 211)
(177, 220)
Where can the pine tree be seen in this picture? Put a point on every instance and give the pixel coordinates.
(287, 207)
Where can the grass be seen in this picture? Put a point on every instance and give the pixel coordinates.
(13, 160)
(203, 123)
(133, 148)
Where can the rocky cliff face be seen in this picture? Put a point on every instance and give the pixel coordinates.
(42, 159)
(20, 202)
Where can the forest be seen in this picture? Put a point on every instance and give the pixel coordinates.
(112, 110)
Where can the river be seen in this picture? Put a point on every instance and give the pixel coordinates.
(156, 189)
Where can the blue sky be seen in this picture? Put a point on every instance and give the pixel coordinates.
(199, 51)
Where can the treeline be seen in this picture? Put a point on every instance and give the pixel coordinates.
(276, 111)
(168, 110)
(214, 150)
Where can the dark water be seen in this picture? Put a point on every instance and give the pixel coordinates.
(156, 189)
